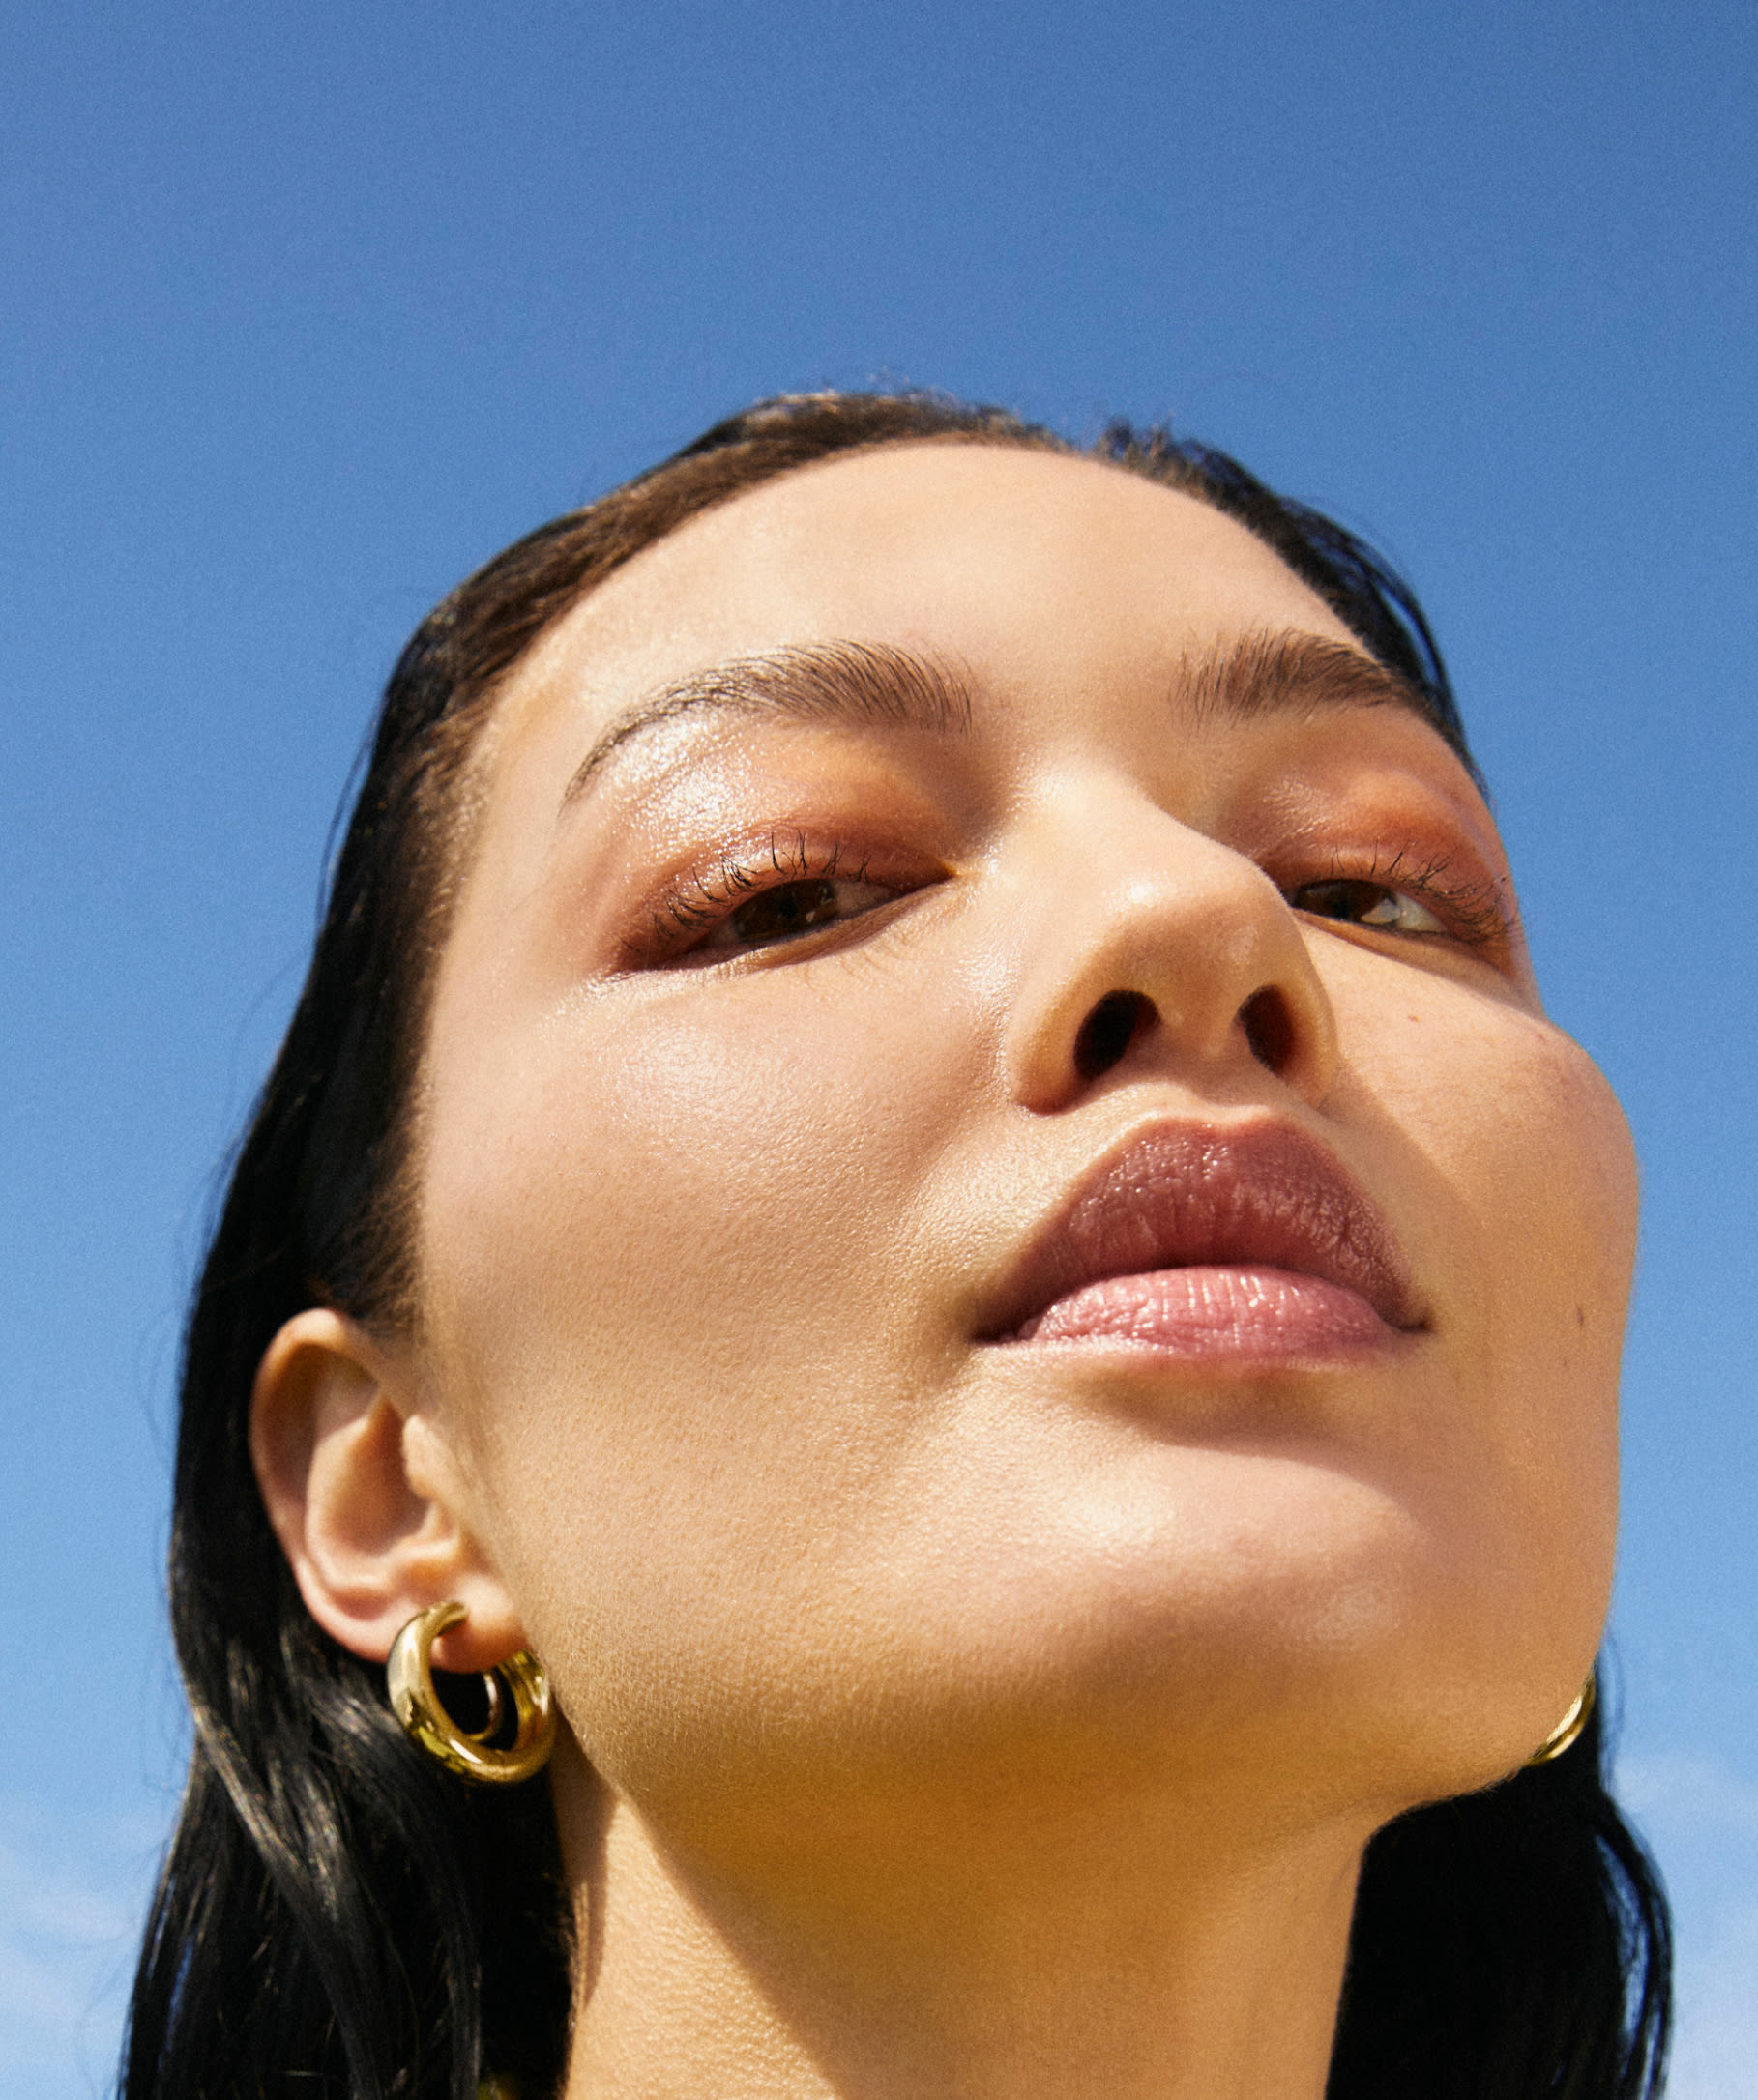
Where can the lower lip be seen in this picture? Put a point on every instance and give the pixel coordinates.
(1215, 1313)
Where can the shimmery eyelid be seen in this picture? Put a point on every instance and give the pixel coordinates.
(1479, 910)
(700, 897)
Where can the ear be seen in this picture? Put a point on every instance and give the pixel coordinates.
(366, 1498)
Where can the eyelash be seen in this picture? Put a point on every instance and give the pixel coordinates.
(1473, 912)
(699, 903)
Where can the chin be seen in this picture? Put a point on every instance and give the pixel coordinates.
(1310, 1620)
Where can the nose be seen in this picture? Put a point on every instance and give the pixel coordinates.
(1163, 949)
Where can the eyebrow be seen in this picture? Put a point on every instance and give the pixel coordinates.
(1280, 673)
(870, 684)
(863, 685)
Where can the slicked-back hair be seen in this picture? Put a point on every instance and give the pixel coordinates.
(336, 1916)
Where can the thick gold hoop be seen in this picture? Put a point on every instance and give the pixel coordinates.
(409, 1674)
(1568, 1729)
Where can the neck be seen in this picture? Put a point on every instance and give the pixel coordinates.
(1153, 1955)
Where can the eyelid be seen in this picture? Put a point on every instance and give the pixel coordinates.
(683, 909)
(1477, 911)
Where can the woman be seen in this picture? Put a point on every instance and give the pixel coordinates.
(920, 1153)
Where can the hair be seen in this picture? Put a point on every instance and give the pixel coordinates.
(332, 1908)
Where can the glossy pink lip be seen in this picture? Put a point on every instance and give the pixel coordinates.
(1212, 1243)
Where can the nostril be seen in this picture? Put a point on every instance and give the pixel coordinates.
(1108, 1031)
(1268, 1027)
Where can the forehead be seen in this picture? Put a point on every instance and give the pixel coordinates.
(1027, 567)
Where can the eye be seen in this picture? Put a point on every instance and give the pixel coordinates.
(768, 890)
(791, 908)
(1359, 903)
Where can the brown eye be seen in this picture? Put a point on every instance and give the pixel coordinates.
(1358, 903)
(788, 908)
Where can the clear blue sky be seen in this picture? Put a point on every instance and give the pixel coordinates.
(306, 310)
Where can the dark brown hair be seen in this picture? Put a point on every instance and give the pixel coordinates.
(335, 1915)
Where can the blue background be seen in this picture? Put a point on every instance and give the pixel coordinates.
(305, 310)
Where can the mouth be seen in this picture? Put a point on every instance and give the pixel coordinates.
(1210, 1242)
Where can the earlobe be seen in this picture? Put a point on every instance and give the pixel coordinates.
(366, 1497)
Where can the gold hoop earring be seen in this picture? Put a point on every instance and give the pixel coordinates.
(1568, 1729)
(469, 1752)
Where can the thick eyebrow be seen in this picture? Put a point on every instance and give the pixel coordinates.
(862, 684)
(1269, 674)
(869, 683)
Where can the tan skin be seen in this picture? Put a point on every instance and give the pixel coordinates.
(945, 1715)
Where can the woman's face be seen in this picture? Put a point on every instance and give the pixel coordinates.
(996, 1194)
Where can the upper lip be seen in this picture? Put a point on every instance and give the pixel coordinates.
(1258, 1195)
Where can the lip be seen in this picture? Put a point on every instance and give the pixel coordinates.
(1210, 1242)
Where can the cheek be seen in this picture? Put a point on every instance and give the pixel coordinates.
(668, 1287)
(1526, 1224)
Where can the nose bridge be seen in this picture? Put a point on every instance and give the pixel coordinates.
(1146, 940)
